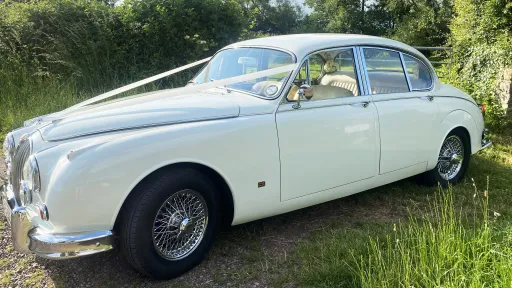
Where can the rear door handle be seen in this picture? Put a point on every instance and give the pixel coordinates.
(427, 98)
(360, 104)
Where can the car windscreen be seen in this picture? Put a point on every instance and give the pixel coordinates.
(240, 61)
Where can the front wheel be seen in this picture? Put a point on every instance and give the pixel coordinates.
(169, 223)
(453, 160)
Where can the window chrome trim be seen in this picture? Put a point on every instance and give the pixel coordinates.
(430, 72)
(288, 85)
(357, 64)
(404, 67)
(367, 78)
(308, 76)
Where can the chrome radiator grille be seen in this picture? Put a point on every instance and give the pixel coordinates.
(21, 155)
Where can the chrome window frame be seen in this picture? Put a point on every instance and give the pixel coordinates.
(407, 74)
(357, 63)
(404, 67)
(285, 80)
(405, 71)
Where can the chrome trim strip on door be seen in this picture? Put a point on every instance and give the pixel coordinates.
(404, 67)
(326, 103)
(397, 98)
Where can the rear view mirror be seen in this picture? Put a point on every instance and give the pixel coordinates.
(248, 61)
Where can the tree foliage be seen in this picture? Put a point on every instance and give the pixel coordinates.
(272, 17)
(419, 22)
(481, 37)
(105, 45)
(99, 45)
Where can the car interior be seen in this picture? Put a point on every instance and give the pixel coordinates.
(337, 76)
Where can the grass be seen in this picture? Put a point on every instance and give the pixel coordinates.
(459, 237)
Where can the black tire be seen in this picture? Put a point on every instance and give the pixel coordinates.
(138, 216)
(433, 177)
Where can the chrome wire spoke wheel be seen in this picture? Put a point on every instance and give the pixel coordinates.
(451, 157)
(180, 224)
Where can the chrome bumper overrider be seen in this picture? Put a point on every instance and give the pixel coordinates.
(486, 144)
(28, 238)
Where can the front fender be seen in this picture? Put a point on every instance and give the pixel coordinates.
(87, 187)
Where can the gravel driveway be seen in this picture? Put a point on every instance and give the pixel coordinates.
(256, 254)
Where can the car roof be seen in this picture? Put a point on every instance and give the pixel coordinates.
(303, 44)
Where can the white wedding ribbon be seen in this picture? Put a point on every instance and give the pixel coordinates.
(136, 84)
(136, 99)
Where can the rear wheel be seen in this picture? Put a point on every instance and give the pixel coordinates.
(169, 223)
(453, 160)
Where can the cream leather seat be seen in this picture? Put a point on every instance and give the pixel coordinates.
(341, 80)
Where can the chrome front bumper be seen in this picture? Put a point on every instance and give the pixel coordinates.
(28, 238)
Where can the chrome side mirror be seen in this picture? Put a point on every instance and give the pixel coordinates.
(302, 93)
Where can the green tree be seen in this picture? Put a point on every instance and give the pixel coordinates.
(272, 17)
(420, 22)
(481, 38)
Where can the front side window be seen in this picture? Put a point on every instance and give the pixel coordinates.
(419, 76)
(385, 71)
(332, 74)
(236, 62)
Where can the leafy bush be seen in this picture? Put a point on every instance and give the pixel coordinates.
(56, 52)
(481, 37)
(103, 46)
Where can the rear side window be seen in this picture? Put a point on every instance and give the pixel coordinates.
(385, 71)
(419, 76)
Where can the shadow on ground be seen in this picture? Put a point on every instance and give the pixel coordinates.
(258, 253)
(245, 255)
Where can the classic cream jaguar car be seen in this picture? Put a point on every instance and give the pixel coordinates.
(267, 126)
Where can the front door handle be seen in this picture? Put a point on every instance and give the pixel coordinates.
(427, 98)
(360, 104)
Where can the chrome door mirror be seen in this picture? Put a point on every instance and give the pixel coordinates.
(302, 93)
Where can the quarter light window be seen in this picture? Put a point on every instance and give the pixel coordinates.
(418, 73)
(385, 71)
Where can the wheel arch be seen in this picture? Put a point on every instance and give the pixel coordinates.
(458, 119)
(226, 200)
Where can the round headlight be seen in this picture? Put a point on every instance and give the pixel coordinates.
(271, 90)
(30, 180)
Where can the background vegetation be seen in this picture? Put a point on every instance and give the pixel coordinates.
(57, 52)
(54, 53)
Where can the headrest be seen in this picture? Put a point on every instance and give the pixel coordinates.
(329, 66)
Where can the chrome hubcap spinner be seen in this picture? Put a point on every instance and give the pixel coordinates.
(451, 157)
(180, 224)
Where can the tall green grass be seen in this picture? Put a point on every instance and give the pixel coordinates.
(444, 248)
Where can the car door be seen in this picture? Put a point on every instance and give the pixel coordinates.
(332, 139)
(400, 86)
